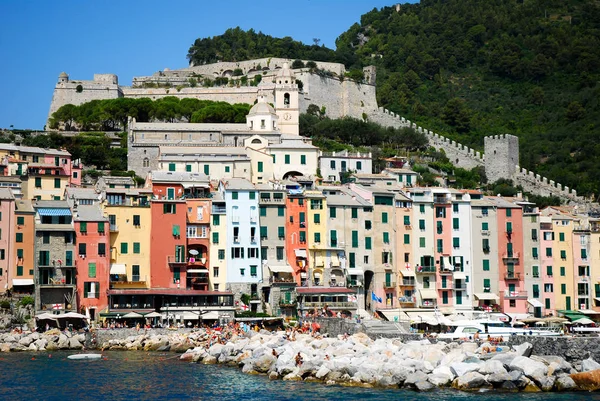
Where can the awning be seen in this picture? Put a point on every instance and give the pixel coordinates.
(117, 268)
(535, 303)
(152, 314)
(408, 272)
(460, 276)
(22, 281)
(448, 265)
(335, 260)
(584, 311)
(44, 211)
(281, 269)
(300, 253)
(195, 271)
(356, 272)
(428, 294)
(317, 274)
(211, 316)
(394, 314)
(132, 315)
(486, 296)
(303, 275)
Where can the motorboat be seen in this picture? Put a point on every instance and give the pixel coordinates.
(85, 356)
(466, 329)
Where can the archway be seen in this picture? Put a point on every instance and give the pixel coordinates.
(291, 174)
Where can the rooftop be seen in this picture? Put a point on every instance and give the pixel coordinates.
(238, 184)
(89, 213)
(58, 204)
(179, 176)
(81, 193)
(24, 206)
(6, 193)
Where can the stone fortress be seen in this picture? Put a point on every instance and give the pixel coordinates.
(325, 86)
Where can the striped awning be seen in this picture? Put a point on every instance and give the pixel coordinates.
(45, 211)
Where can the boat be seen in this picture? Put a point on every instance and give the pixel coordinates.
(494, 329)
(84, 356)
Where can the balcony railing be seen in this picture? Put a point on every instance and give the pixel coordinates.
(389, 284)
(354, 283)
(218, 210)
(510, 255)
(425, 269)
(271, 200)
(350, 305)
(114, 228)
(58, 282)
(176, 260)
(407, 300)
(408, 282)
(512, 276)
(515, 294)
(92, 294)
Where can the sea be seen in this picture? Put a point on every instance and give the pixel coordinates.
(156, 376)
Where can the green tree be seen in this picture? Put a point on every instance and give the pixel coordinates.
(457, 115)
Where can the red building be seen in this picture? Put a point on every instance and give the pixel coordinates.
(197, 235)
(91, 231)
(168, 257)
(296, 228)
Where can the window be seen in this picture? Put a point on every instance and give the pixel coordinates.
(101, 249)
(485, 226)
(440, 212)
(221, 254)
(176, 229)
(263, 253)
(136, 220)
(171, 166)
(227, 171)
(237, 253)
(20, 253)
(548, 287)
(302, 217)
(136, 247)
(169, 208)
(253, 272)
(260, 167)
(215, 238)
(302, 159)
(547, 303)
(508, 226)
(92, 270)
(207, 169)
(561, 237)
(352, 259)
(486, 265)
(354, 239)
(332, 164)
(548, 252)
(101, 227)
(124, 248)
(440, 245)
(486, 245)
(332, 212)
(19, 270)
(355, 213)
(253, 252)
(188, 168)
(287, 159)
(534, 234)
(19, 237)
(384, 218)
(563, 254)
(368, 243)
(422, 225)
(406, 239)
(333, 238)
(279, 252)
(455, 223)
(549, 270)
(508, 212)
(302, 237)
(440, 227)
(38, 182)
(563, 271)
(422, 209)
(82, 249)
(57, 183)
(234, 195)
(368, 225)
(406, 220)
(263, 233)
(455, 207)
(534, 253)
(486, 284)
(242, 270)
(359, 166)
(422, 242)
(317, 218)
(583, 254)
(386, 238)
(263, 211)
(280, 211)
(456, 242)
(317, 238)
(563, 289)
(535, 271)
(281, 232)
(216, 219)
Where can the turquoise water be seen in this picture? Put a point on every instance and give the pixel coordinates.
(154, 376)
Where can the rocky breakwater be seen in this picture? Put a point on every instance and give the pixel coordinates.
(49, 341)
(358, 360)
(157, 341)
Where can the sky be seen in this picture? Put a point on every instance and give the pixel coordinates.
(40, 39)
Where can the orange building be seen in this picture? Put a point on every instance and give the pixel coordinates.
(296, 228)
(22, 275)
(168, 257)
(91, 231)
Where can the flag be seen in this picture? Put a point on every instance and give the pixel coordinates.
(376, 298)
(352, 298)
(243, 306)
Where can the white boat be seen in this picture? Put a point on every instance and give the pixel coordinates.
(85, 356)
(494, 328)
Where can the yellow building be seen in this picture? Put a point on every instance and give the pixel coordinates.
(562, 251)
(594, 260)
(42, 186)
(317, 237)
(130, 221)
(218, 244)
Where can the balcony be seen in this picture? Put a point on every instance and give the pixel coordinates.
(331, 305)
(123, 282)
(512, 276)
(219, 209)
(278, 201)
(282, 281)
(389, 284)
(440, 200)
(176, 260)
(511, 256)
(408, 282)
(425, 270)
(354, 283)
(515, 294)
(451, 270)
(58, 282)
(288, 303)
(114, 228)
(407, 300)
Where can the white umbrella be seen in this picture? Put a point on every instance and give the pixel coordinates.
(152, 314)
(72, 315)
(132, 315)
(193, 252)
(583, 320)
(46, 316)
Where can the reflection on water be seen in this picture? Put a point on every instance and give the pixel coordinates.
(154, 376)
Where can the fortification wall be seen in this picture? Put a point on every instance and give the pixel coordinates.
(243, 94)
(225, 68)
(536, 184)
(503, 156)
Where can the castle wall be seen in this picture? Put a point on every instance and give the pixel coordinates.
(503, 156)
(243, 94)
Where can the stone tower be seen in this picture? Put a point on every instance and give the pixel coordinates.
(501, 156)
(286, 101)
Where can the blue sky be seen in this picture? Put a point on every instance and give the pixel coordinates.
(39, 39)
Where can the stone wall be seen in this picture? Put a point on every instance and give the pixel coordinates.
(503, 156)
(570, 348)
(534, 183)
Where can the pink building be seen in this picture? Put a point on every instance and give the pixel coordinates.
(7, 238)
(546, 265)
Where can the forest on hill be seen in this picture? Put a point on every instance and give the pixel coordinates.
(472, 68)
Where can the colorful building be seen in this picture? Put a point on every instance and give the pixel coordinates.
(7, 238)
(23, 270)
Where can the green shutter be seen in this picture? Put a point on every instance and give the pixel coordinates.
(563, 289)
(260, 167)
(136, 247)
(263, 232)
(20, 253)
(302, 159)
(281, 232)
(280, 211)
(332, 212)
(355, 213)
(486, 265)
(215, 238)
(101, 227)
(563, 272)
(317, 218)
(318, 237)
(83, 227)
(368, 244)
(386, 238)
(406, 220)
(171, 166)
(263, 211)
(92, 270)
(176, 230)
(19, 237)
(484, 226)
(561, 237)
(583, 254)
(421, 224)
(549, 270)
(216, 219)
(563, 254)
(352, 259)
(407, 239)
(188, 168)
(421, 242)
(287, 159)
(486, 283)
(302, 217)
(384, 218)
(534, 253)
(302, 236)
(455, 223)
(508, 226)
(456, 242)
(207, 169)
(535, 271)
(354, 239)
(123, 248)
(19, 270)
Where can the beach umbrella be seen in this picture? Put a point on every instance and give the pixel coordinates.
(46, 316)
(152, 314)
(72, 315)
(132, 315)
(583, 320)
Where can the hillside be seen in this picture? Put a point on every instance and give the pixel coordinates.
(472, 68)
